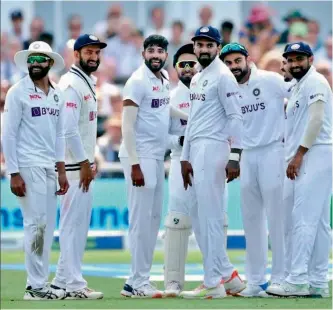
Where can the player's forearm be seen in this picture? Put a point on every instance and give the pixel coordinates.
(185, 156)
(173, 142)
(316, 119)
(128, 132)
(75, 145)
(60, 149)
(234, 126)
(10, 153)
(176, 113)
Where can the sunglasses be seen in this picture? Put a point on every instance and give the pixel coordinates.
(38, 59)
(186, 63)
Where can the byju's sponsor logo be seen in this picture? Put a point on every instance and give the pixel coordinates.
(253, 107)
(316, 95)
(200, 97)
(156, 103)
(37, 111)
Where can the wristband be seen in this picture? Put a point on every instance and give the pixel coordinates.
(234, 156)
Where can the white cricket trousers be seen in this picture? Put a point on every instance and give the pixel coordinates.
(261, 182)
(181, 200)
(209, 159)
(39, 208)
(145, 208)
(307, 203)
(75, 214)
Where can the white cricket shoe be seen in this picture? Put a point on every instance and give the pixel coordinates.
(85, 293)
(287, 289)
(234, 285)
(147, 291)
(264, 294)
(319, 292)
(202, 292)
(253, 290)
(49, 292)
(127, 290)
(172, 289)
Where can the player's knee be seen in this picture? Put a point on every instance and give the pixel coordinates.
(176, 220)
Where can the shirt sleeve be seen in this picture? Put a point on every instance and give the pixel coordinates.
(284, 89)
(134, 90)
(316, 91)
(13, 113)
(72, 108)
(229, 96)
(185, 156)
(60, 138)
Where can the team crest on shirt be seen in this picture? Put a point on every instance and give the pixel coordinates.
(176, 221)
(205, 83)
(167, 86)
(56, 98)
(256, 92)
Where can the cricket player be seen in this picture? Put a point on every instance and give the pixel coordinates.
(214, 120)
(308, 182)
(79, 90)
(145, 127)
(33, 141)
(178, 224)
(262, 167)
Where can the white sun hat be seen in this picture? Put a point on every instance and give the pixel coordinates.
(39, 47)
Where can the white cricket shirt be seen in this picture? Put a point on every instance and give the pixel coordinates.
(179, 98)
(33, 133)
(262, 107)
(80, 118)
(214, 102)
(152, 123)
(311, 88)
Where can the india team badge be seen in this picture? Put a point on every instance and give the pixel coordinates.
(256, 92)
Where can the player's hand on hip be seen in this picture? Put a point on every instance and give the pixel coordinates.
(294, 166)
(17, 185)
(187, 172)
(232, 170)
(63, 183)
(138, 179)
(86, 176)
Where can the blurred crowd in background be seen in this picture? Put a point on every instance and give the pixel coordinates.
(123, 54)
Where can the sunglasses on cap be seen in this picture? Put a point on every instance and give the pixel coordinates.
(233, 48)
(186, 63)
(38, 59)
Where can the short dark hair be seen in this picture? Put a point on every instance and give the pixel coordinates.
(185, 49)
(46, 37)
(227, 25)
(157, 40)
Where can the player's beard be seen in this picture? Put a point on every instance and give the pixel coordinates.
(86, 68)
(186, 80)
(287, 79)
(149, 64)
(205, 61)
(242, 73)
(299, 74)
(35, 76)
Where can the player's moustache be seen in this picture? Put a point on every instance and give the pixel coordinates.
(89, 68)
(149, 64)
(299, 73)
(35, 76)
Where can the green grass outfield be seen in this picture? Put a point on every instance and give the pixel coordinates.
(13, 283)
